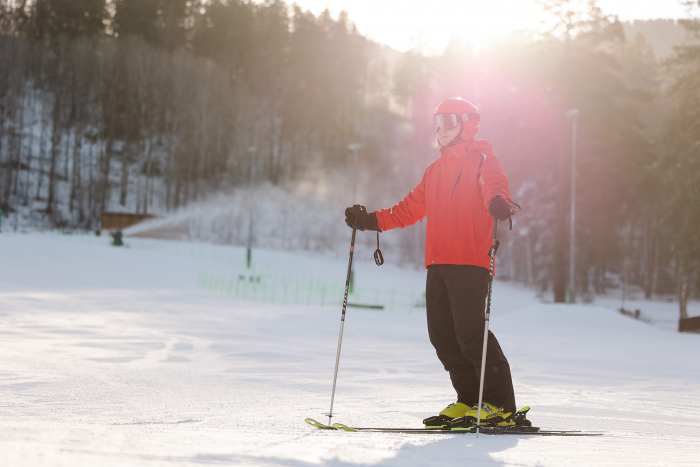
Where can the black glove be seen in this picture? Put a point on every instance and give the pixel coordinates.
(499, 208)
(358, 218)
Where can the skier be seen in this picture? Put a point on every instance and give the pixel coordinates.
(460, 194)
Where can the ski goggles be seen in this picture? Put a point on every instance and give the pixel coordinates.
(446, 122)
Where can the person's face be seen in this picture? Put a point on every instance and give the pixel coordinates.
(446, 137)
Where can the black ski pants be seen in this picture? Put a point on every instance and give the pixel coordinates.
(456, 304)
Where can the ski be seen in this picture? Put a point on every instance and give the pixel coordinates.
(320, 425)
(510, 430)
(498, 430)
(340, 426)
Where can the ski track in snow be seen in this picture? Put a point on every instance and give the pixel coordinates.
(112, 356)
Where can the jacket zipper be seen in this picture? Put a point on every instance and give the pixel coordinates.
(456, 182)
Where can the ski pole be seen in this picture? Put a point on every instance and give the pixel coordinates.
(486, 326)
(342, 322)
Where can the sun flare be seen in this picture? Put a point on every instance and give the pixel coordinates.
(429, 26)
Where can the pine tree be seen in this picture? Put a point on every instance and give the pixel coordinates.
(71, 18)
(679, 164)
(136, 17)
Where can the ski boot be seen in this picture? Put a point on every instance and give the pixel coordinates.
(449, 413)
(490, 416)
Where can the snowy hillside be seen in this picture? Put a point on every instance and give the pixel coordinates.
(124, 356)
(301, 217)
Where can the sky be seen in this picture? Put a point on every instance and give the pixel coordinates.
(429, 24)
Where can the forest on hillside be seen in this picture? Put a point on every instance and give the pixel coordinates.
(148, 106)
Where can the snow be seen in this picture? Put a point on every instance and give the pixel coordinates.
(293, 217)
(663, 312)
(116, 356)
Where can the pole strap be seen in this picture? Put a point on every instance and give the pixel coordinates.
(378, 258)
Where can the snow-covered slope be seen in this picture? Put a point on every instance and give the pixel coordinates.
(114, 356)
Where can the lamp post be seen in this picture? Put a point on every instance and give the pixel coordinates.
(570, 296)
(249, 252)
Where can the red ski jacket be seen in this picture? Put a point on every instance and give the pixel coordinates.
(454, 194)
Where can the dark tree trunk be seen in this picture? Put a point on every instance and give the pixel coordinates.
(561, 240)
(75, 179)
(106, 165)
(42, 151)
(28, 178)
(55, 143)
(17, 137)
(126, 162)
